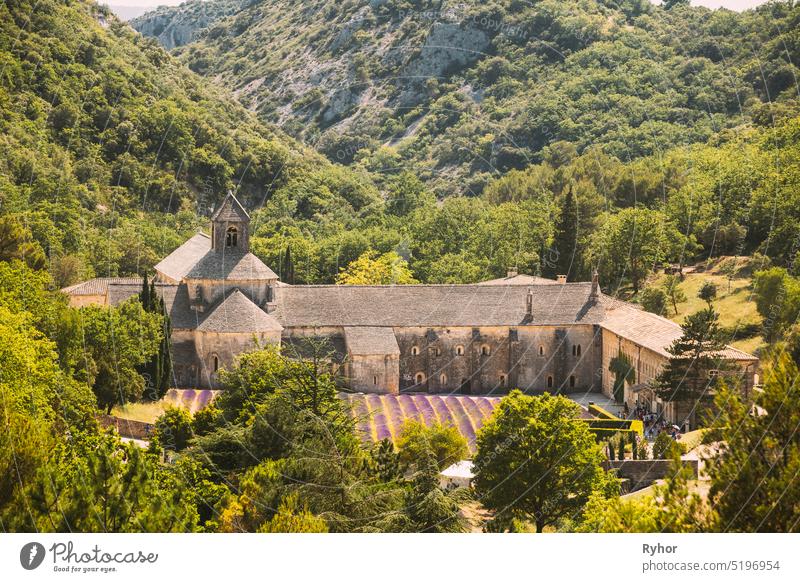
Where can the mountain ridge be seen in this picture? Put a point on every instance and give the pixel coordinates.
(464, 92)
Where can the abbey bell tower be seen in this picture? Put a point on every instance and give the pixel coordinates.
(230, 227)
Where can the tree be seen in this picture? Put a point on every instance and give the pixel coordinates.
(431, 510)
(630, 243)
(118, 340)
(753, 480)
(387, 461)
(16, 242)
(157, 371)
(665, 447)
(288, 266)
(565, 241)
(708, 292)
(673, 290)
(173, 429)
(654, 300)
(445, 442)
(291, 519)
(685, 378)
(624, 373)
(777, 296)
(374, 269)
(536, 462)
(95, 483)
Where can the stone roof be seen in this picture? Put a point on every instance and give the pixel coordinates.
(237, 314)
(370, 341)
(231, 265)
(180, 261)
(520, 280)
(649, 330)
(434, 305)
(230, 210)
(100, 285)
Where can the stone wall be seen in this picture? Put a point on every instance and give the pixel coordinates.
(379, 374)
(643, 473)
(647, 363)
(481, 360)
(216, 351)
(133, 429)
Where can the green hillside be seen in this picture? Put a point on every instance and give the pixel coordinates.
(110, 149)
(462, 92)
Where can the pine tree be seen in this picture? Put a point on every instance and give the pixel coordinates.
(430, 509)
(565, 241)
(686, 377)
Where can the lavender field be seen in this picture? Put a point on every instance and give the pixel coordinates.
(381, 416)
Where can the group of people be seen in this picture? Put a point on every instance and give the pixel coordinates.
(654, 424)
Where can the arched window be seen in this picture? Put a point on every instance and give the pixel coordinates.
(232, 237)
(375, 380)
(576, 350)
(486, 350)
(502, 380)
(438, 351)
(572, 381)
(443, 379)
(549, 381)
(459, 350)
(216, 363)
(414, 351)
(420, 378)
(541, 350)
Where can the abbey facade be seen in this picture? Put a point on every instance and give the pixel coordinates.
(520, 331)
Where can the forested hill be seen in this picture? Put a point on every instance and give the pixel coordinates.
(465, 90)
(112, 152)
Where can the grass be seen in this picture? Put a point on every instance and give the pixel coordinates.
(734, 303)
(141, 411)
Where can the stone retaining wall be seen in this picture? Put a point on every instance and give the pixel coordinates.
(642, 473)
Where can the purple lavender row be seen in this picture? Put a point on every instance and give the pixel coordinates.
(378, 417)
(424, 406)
(441, 410)
(461, 416)
(393, 412)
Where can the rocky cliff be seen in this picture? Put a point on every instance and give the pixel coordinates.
(175, 26)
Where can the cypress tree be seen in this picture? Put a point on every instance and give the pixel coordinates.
(565, 241)
(288, 266)
(158, 370)
(621, 449)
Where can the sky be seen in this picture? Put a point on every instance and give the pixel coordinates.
(732, 4)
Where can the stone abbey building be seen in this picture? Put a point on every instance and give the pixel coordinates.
(516, 332)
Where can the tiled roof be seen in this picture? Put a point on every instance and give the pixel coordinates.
(100, 285)
(434, 305)
(230, 209)
(181, 260)
(231, 266)
(520, 280)
(649, 330)
(237, 314)
(368, 341)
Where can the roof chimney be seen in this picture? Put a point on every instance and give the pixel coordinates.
(561, 279)
(512, 272)
(595, 285)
